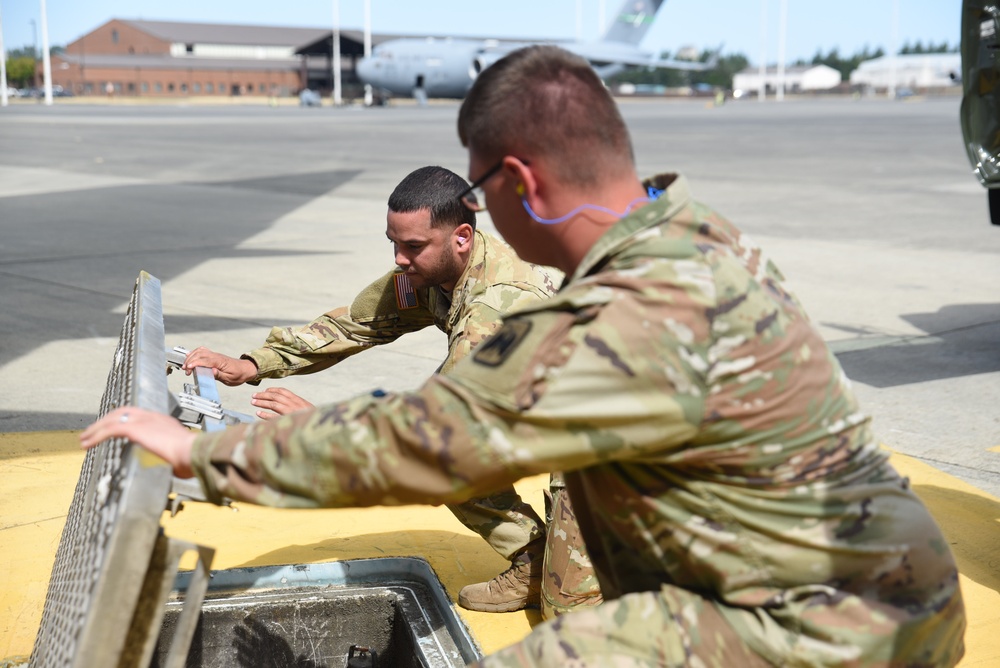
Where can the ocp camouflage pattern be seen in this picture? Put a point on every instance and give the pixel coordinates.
(494, 282)
(716, 458)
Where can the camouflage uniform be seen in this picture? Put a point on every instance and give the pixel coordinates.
(568, 578)
(735, 506)
(494, 282)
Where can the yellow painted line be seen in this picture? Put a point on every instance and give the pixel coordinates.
(996, 449)
(40, 470)
(970, 520)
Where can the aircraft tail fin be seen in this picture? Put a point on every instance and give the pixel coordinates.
(632, 21)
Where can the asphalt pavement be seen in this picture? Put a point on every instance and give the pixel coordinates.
(255, 216)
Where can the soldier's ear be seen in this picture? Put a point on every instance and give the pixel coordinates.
(463, 233)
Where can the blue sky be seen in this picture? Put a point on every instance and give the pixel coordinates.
(847, 25)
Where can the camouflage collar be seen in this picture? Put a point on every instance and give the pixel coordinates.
(474, 267)
(470, 280)
(676, 195)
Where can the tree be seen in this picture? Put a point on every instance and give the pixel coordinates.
(23, 52)
(20, 71)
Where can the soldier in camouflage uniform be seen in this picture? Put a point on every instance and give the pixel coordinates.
(461, 281)
(735, 505)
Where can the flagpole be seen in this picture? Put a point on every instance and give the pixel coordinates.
(3, 69)
(337, 93)
(762, 68)
(368, 48)
(782, 34)
(46, 60)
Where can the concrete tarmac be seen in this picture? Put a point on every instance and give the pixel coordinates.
(254, 216)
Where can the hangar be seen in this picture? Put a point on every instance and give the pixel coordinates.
(140, 58)
(916, 71)
(797, 79)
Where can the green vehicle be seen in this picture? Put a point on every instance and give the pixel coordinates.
(981, 95)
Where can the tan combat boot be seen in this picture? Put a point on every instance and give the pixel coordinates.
(517, 587)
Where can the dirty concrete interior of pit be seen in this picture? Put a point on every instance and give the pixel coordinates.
(115, 582)
(311, 615)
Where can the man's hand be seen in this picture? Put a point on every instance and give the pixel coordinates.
(279, 400)
(227, 370)
(160, 434)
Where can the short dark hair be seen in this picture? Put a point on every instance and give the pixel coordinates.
(437, 189)
(545, 102)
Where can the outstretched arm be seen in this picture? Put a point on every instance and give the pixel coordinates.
(160, 434)
(278, 401)
(227, 370)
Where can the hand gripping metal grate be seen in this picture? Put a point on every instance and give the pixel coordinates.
(114, 567)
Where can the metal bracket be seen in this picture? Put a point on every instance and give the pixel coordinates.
(198, 406)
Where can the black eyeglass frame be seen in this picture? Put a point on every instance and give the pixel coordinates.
(478, 183)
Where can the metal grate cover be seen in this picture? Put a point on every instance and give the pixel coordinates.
(112, 530)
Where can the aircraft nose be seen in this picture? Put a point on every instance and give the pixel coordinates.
(365, 69)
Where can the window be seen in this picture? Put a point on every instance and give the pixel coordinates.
(208, 88)
(114, 36)
(170, 88)
(262, 89)
(196, 88)
(145, 87)
(189, 48)
(131, 87)
(184, 88)
(158, 86)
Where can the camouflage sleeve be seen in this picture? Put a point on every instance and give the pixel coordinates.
(374, 318)
(484, 315)
(477, 323)
(525, 402)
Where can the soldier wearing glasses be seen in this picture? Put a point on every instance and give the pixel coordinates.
(735, 504)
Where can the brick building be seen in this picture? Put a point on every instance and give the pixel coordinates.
(173, 59)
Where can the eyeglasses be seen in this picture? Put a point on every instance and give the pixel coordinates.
(473, 195)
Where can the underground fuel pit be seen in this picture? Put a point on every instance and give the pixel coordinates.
(309, 616)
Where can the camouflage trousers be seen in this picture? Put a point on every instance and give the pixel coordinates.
(509, 525)
(670, 627)
(568, 578)
(504, 521)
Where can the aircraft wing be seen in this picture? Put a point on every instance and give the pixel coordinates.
(604, 55)
(668, 64)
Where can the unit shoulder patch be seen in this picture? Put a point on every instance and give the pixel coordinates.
(499, 347)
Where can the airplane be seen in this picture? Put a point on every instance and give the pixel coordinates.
(446, 67)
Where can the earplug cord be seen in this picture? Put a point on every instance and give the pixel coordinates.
(651, 194)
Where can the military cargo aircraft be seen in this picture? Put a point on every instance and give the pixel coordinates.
(434, 67)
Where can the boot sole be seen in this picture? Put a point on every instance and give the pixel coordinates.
(508, 606)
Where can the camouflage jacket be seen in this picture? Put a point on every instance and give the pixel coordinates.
(494, 282)
(710, 441)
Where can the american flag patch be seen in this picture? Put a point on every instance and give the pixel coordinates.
(406, 296)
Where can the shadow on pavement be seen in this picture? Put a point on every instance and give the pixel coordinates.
(962, 340)
(970, 523)
(68, 260)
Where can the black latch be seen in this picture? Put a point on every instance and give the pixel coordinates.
(366, 657)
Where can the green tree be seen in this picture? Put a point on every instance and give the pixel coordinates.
(23, 52)
(20, 71)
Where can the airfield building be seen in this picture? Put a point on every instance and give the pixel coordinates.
(918, 72)
(174, 59)
(799, 79)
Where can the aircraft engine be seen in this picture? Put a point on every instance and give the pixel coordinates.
(482, 60)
